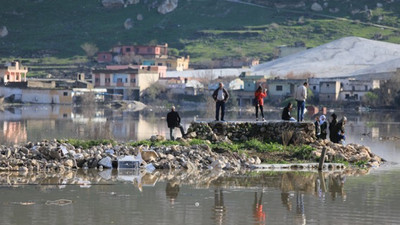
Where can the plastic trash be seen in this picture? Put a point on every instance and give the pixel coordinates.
(110, 151)
(106, 162)
(128, 163)
(150, 168)
(64, 150)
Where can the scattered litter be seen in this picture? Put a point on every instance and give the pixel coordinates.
(150, 168)
(110, 151)
(106, 162)
(23, 203)
(64, 150)
(59, 202)
(128, 162)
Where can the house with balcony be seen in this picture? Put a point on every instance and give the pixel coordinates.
(13, 72)
(145, 51)
(124, 82)
(354, 90)
(172, 63)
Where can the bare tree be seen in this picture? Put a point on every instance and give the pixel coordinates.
(90, 49)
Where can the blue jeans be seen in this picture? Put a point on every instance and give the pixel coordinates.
(220, 105)
(301, 105)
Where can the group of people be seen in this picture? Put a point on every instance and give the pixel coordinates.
(221, 96)
(336, 129)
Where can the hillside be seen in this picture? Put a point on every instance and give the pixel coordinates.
(342, 57)
(204, 29)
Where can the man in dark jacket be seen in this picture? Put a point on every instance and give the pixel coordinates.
(220, 97)
(174, 120)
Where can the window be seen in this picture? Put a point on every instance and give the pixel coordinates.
(353, 88)
(347, 96)
(314, 88)
(160, 64)
(97, 80)
(8, 77)
(168, 65)
(329, 96)
(119, 80)
(65, 93)
(133, 80)
(17, 77)
(356, 96)
(104, 57)
(65, 115)
(107, 80)
(149, 49)
(128, 49)
(327, 85)
(126, 80)
(279, 87)
(366, 87)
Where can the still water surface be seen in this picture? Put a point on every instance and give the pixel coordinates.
(350, 197)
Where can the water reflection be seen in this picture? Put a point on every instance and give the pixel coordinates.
(258, 211)
(219, 206)
(315, 183)
(209, 197)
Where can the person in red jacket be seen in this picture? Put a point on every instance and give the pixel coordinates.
(259, 96)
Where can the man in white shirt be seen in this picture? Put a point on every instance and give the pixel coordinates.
(220, 97)
(301, 95)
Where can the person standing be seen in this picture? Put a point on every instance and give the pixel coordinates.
(259, 96)
(339, 131)
(220, 97)
(174, 120)
(317, 128)
(301, 96)
(324, 126)
(332, 125)
(286, 113)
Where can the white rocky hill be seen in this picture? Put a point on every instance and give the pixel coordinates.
(349, 55)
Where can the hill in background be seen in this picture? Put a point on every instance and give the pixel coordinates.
(204, 29)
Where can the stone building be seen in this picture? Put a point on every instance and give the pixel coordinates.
(125, 82)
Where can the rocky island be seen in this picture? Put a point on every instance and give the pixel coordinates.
(208, 145)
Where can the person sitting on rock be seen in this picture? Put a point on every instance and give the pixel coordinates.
(286, 113)
(174, 120)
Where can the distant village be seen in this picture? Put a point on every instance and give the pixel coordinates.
(126, 71)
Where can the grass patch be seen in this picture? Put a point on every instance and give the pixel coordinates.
(154, 143)
(85, 144)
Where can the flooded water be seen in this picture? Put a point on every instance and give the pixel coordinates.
(213, 197)
(349, 197)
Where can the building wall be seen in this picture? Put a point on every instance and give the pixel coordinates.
(279, 89)
(329, 91)
(45, 96)
(144, 80)
(104, 57)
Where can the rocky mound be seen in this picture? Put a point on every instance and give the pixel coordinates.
(352, 153)
(56, 156)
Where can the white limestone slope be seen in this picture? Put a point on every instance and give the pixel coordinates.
(338, 58)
